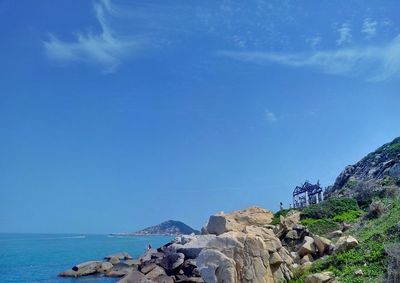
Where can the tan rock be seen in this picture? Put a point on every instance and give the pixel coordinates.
(291, 219)
(238, 220)
(306, 258)
(322, 277)
(104, 267)
(82, 269)
(307, 247)
(156, 272)
(322, 244)
(113, 260)
(345, 243)
(147, 268)
(275, 258)
(335, 234)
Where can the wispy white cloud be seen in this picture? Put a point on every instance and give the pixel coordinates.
(314, 41)
(372, 63)
(369, 28)
(270, 116)
(105, 48)
(344, 34)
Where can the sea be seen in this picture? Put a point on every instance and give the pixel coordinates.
(40, 257)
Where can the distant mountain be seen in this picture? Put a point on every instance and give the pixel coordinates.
(376, 172)
(169, 227)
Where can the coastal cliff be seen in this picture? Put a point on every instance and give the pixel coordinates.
(372, 174)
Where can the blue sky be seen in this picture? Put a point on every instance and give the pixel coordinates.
(116, 115)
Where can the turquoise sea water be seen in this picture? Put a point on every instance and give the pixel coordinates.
(40, 257)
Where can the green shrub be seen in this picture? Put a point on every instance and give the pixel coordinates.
(376, 209)
(387, 181)
(348, 216)
(320, 226)
(330, 208)
(351, 183)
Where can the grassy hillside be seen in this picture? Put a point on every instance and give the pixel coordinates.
(377, 229)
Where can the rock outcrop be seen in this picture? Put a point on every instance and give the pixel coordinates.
(238, 247)
(375, 171)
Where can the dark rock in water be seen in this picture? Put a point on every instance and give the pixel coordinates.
(170, 227)
(172, 261)
(374, 172)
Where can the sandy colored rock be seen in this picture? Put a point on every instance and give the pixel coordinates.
(322, 244)
(216, 267)
(148, 267)
(104, 267)
(82, 269)
(307, 247)
(345, 243)
(291, 219)
(156, 272)
(322, 277)
(237, 220)
(113, 260)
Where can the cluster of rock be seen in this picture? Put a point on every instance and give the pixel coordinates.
(304, 246)
(241, 246)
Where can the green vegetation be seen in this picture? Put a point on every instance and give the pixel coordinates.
(330, 208)
(323, 218)
(320, 226)
(348, 216)
(390, 148)
(370, 256)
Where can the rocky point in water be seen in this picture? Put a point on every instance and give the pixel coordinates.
(167, 228)
(238, 247)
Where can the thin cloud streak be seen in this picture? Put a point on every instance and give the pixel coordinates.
(104, 49)
(373, 63)
(344, 34)
(369, 28)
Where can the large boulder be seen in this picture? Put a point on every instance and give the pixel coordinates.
(307, 247)
(82, 269)
(237, 220)
(251, 259)
(133, 277)
(156, 272)
(191, 249)
(104, 267)
(345, 243)
(216, 267)
(172, 261)
(291, 219)
(322, 244)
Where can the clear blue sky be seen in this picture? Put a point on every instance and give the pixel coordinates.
(116, 115)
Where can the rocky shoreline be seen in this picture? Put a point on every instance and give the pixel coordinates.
(242, 246)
